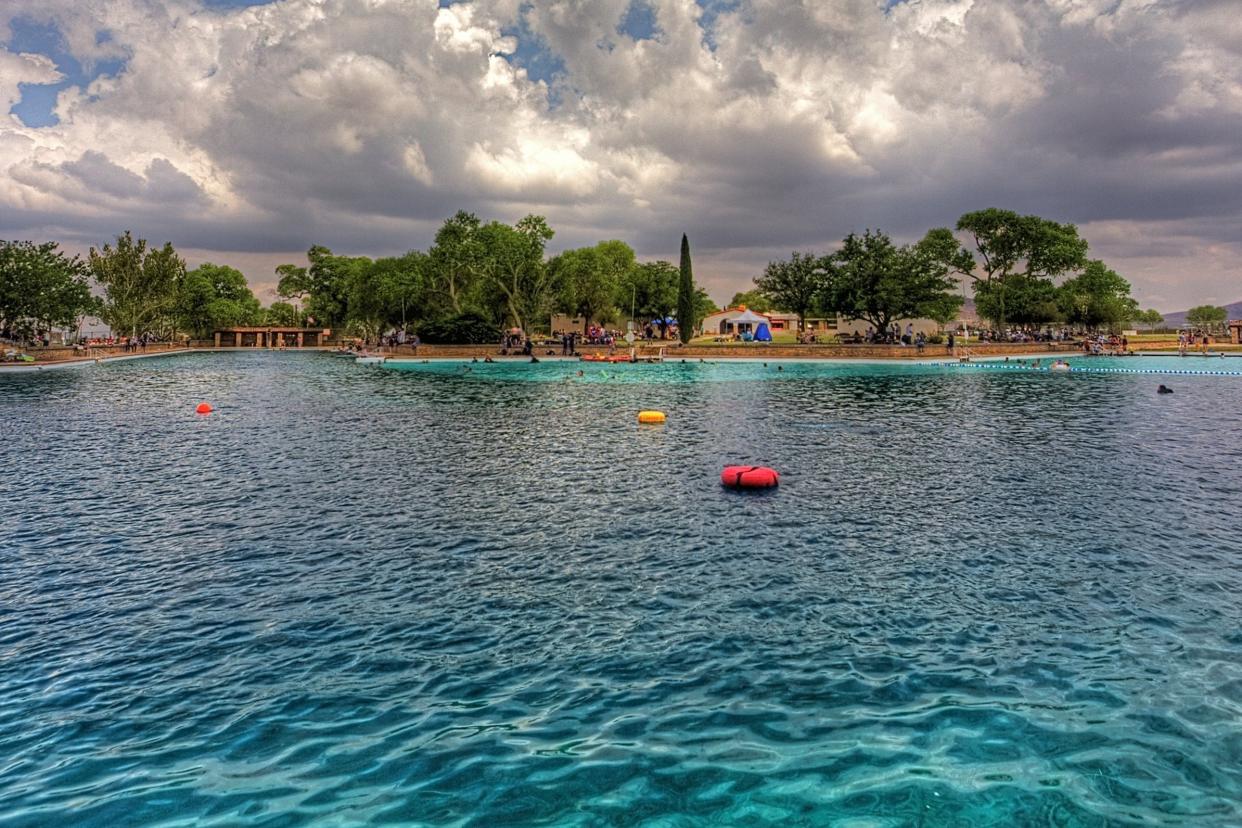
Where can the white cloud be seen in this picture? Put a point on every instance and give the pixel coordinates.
(16, 69)
(361, 123)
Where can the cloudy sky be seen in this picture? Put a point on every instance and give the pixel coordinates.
(243, 132)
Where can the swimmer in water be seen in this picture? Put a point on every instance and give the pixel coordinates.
(580, 372)
(534, 359)
(1164, 389)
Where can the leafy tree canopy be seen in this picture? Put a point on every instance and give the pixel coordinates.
(1098, 298)
(872, 279)
(513, 269)
(456, 259)
(41, 288)
(652, 289)
(589, 280)
(215, 296)
(282, 315)
(141, 286)
(753, 299)
(1009, 244)
(796, 285)
(1207, 316)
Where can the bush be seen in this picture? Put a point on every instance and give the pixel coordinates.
(464, 329)
(935, 339)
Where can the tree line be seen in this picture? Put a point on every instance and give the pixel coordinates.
(480, 277)
(476, 278)
(1025, 271)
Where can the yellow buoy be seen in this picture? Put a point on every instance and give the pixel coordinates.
(651, 417)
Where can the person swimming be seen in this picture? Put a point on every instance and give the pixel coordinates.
(534, 359)
(1164, 389)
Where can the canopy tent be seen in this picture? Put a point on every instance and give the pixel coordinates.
(748, 317)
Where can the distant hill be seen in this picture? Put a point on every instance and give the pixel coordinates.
(1177, 319)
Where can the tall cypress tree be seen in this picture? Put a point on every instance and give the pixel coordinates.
(685, 295)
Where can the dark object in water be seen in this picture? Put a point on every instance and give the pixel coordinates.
(1164, 389)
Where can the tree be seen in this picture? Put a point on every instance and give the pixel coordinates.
(704, 305)
(324, 286)
(140, 285)
(872, 279)
(753, 299)
(795, 285)
(1209, 317)
(281, 315)
(1150, 317)
(1097, 298)
(512, 267)
(1026, 301)
(686, 295)
(456, 258)
(651, 287)
(589, 280)
(215, 296)
(404, 284)
(1010, 244)
(41, 288)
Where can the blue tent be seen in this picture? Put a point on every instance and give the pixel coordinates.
(762, 334)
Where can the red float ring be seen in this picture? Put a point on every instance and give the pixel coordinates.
(749, 477)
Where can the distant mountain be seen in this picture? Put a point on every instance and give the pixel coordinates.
(1177, 319)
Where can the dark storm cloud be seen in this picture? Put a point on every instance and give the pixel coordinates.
(784, 127)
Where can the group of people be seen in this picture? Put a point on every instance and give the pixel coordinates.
(1102, 345)
(1188, 340)
(399, 337)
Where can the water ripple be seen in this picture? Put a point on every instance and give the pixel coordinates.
(440, 596)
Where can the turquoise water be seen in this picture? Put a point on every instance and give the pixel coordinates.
(358, 595)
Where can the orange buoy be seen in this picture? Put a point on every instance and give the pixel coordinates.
(203, 408)
(749, 477)
(651, 417)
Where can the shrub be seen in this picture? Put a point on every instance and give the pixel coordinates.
(935, 339)
(463, 329)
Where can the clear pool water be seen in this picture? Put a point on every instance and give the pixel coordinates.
(435, 596)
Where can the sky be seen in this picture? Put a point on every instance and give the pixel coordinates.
(244, 132)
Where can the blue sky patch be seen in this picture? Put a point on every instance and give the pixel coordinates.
(639, 21)
(39, 99)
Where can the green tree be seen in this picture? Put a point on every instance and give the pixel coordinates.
(1010, 244)
(686, 295)
(795, 285)
(651, 287)
(704, 305)
(41, 288)
(405, 285)
(324, 286)
(281, 315)
(456, 258)
(140, 285)
(513, 269)
(1209, 317)
(1026, 301)
(753, 299)
(215, 296)
(1151, 318)
(1097, 298)
(589, 280)
(872, 279)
